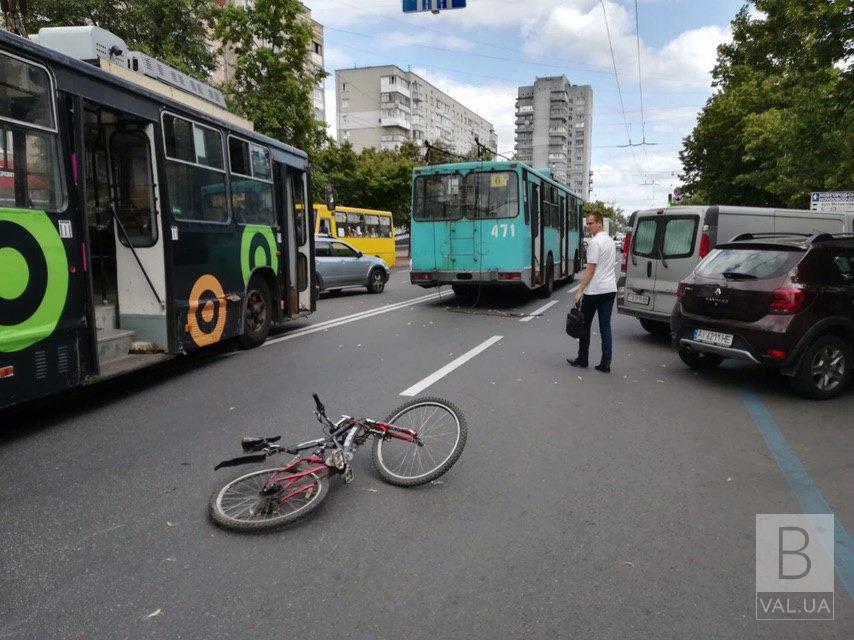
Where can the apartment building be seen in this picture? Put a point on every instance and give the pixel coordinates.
(225, 64)
(383, 106)
(554, 120)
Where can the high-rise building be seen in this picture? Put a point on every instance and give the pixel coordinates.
(225, 63)
(553, 130)
(382, 106)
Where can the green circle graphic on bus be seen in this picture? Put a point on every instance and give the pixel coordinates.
(257, 249)
(34, 282)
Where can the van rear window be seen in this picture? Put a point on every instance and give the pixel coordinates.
(644, 240)
(759, 263)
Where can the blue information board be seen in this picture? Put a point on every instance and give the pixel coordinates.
(414, 6)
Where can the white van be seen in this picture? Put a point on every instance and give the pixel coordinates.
(665, 245)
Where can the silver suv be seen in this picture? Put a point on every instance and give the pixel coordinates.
(339, 266)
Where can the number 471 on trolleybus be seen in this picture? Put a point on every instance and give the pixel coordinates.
(493, 224)
(137, 220)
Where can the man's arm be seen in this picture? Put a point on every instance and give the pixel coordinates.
(586, 277)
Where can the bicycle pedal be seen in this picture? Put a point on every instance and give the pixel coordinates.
(348, 475)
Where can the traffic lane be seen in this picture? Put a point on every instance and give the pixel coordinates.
(347, 301)
(652, 475)
(171, 434)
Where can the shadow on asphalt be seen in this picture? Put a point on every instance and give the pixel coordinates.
(493, 300)
(21, 420)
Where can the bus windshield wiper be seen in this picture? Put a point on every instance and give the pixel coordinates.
(738, 275)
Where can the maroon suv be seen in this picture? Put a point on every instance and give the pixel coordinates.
(780, 300)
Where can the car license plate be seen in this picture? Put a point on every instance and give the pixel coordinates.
(713, 337)
(637, 299)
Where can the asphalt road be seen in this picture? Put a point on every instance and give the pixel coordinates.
(585, 505)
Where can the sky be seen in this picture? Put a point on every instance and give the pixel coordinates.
(480, 55)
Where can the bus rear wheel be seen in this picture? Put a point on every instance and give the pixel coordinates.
(257, 314)
(545, 291)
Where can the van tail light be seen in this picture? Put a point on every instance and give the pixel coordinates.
(787, 300)
(680, 291)
(627, 246)
(705, 245)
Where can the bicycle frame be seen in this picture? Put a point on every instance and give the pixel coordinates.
(287, 476)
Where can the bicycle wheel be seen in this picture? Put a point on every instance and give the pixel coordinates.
(241, 505)
(442, 430)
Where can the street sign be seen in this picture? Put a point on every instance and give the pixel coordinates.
(433, 6)
(832, 201)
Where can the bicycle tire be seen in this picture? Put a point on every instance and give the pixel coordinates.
(219, 515)
(383, 463)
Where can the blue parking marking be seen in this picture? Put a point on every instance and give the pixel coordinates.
(807, 494)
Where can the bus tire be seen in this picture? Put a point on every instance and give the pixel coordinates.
(257, 314)
(546, 289)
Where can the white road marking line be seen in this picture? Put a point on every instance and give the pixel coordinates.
(536, 313)
(336, 322)
(441, 373)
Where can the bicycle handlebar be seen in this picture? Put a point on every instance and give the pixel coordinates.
(320, 408)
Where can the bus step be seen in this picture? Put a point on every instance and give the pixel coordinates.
(105, 316)
(114, 344)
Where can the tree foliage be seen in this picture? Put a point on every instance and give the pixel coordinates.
(273, 80)
(781, 122)
(171, 30)
(376, 179)
(609, 210)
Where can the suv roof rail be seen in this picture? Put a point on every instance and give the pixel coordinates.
(829, 237)
(770, 234)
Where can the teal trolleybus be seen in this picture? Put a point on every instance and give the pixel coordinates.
(136, 222)
(493, 223)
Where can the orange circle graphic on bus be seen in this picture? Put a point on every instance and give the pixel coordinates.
(207, 311)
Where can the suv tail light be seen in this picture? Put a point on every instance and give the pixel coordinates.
(787, 300)
(627, 246)
(680, 291)
(705, 245)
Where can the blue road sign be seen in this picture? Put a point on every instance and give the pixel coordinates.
(415, 6)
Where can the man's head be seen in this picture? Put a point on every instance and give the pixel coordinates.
(595, 222)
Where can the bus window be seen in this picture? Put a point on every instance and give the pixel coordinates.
(341, 224)
(297, 180)
(129, 152)
(385, 227)
(355, 225)
(492, 194)
(324, 227)
(372, 226)
(195, 178)
(438, 197)
(30, 177)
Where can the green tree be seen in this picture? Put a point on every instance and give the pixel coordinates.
(273, 80)
(610, 210)
(171, 30)
(781, 122)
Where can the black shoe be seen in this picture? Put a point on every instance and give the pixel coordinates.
(604, 368)
(577, 363)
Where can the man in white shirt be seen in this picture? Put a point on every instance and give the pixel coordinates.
(597, 291)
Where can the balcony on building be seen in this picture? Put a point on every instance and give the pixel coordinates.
(524, 108)
(395, 118)
(316, 59)
(559, 96)
(394, 84)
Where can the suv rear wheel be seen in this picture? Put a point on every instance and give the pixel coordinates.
(824, 369)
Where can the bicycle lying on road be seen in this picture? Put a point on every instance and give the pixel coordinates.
(416, 444)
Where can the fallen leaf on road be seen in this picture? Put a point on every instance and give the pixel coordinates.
(631, 564)
(729, 479)
(170, 524)
(580, 378)
(662, 381)
(373, 490)
(154, 613)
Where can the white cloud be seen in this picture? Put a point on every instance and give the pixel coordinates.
(622, 177)
(496, 102)
(401, 39)
(577, 31)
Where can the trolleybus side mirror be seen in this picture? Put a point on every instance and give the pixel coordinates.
(331, 197)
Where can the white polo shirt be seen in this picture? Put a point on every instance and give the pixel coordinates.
(602, 253)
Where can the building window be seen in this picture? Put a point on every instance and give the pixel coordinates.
(345, 103)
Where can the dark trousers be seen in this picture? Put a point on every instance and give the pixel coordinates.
(602, 305)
